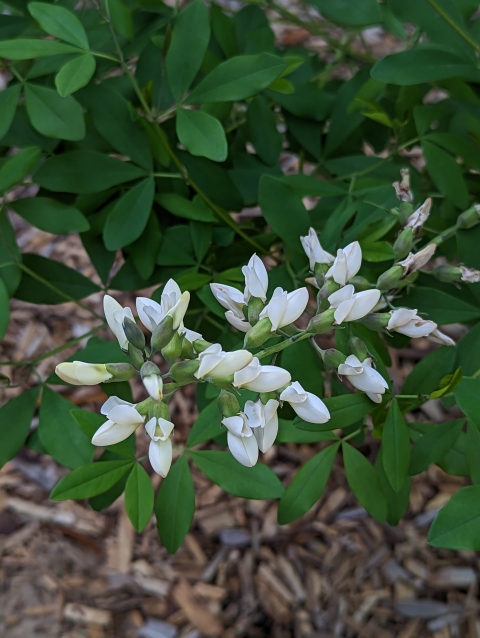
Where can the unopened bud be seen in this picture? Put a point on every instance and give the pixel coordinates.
(222, 383)
(200, 345)
(162, 334)
(183, 371)
(133, 333)
(256, 336)
(173, 349)
(358, 348)
(228, 404)
(136, 356)
(319, 272)
(266, 396)
(120, 371)
(446, 273)
(328, 288)
(159, 410)
(322, 323)
(255, 307)
(360, 283)
(376, 321)
(469, 218)
(333, 358)
(187, 350)
(405, 210)
(152, 380)
(403, 244)
(390, 279)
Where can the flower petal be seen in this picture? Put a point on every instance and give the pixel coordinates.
(160, 456)
(110, 433)
(244, 449)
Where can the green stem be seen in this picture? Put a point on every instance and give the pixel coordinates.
(284, 344)
(454, 25)
(105, 57)
(172, 175)
(351, 435)
(407, 396)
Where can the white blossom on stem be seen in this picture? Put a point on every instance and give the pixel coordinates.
(256, 279)
(439, 337)
(233, 300)
(160, 449)
(122, 420)
(415, 261)
(308, 406)
(347, 263)
(115, 314)
(407, 322)
(285, 308)
(173, 303)
(419, 217)
(363, 377)
(314, 251)
(240, 439)
(80, 373)
(263, 419)
(350, 305)
(214, 362)
(260, 378)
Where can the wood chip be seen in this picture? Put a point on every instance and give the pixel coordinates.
(202, 619)
(77, 613)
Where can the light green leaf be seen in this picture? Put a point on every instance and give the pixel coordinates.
(27, 49)
(175, 505)
(427, 373)
(395, 447)
(447, 384)
(202, 134)
(59, 22)
(364, 482)
(51, 215)
(139, 497)
(121, 17)
(307, 486)
(345, 410)
(15, 421)
(90, 480)
(8, 106)
(52, 115)
(18, 166)
(456, 525)
(75, 74)
(128, 219)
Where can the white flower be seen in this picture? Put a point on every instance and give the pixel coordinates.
(363, 377)
(408, 323)
(314, 251)
(214, 362)
(80, 373)
(439, 337)
(230, 298)
(308, 406)
(172, 303)
(419, 217)
(416, 261)
(153, 384)
(260, 378)
(256, 279)
(285, 308)
(115, 314)
(240, 324)
(350, 305)
(263, 419)
(347, 263)
(160, 449)
(190, 335)
(241, 442)
(122, 420)
(470, 275)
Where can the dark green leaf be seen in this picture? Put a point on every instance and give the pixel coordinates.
(207, 425)
(8, 106)
(4, 309)
(90, 480)
(289, 433)
(9, 254)
(52, 115)
(364, 482)
(28, 49)
(201, 238)
(51, 215)
(397, 502)
(139, 497)
(396, 447)
(130, 215)
(89, 422)
(428, 372)
(434, 445)
(472, 451)
(467, 396)
(182, 207)
(305, 366)
(262, 130)
(145, 250)
(440, 306)
(59, 22)
(15, 421)
(75, 74)
(18, 166)
(446, 174)
(468, 351)
(350, 12)
(202, 134)
(456, 525)
(344, 410)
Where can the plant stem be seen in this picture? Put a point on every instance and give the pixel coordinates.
(172, 175)
(454, 25)
(284, 344)
(351, 435)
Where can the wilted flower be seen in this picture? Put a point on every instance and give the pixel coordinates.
(347, 263)
(314, 251)
(172, 304)
(351, 305)
(408, 323)
(214, 362)
(263, 419)
(285, 308)
(256, 279)
(115, 314)
(416, 261)
(80, 373)
(260, 378)
(122, 420)
(439, 337)
(470, 275)
(402, 189)
(160, 449)
(308, 406)
(240, 439)
(363, 377)
(419, 217)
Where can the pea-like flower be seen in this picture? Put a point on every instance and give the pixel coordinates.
(350, 305)
(346, 265)
(256, 279)
(263, 419)
(285, 308)
(407, 322)
(173, 303)
(160, 449)
(122, 420)
(215, 363)
(260, 378)
(308, 406)
(419, 217)
(80, 373)
(439, 337)
(314, 251)
(240, 439)
(363, 377)
(233, 300)
(415, 261)
(115, 314)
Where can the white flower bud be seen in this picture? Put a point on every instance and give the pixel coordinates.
(347, 263)
(350, 305)
(263, 419)
(115, 314)
(407, 322)
(160, 449)
(237, 322)
(80, 373)
(363, 377)
(230, 298)
(172, 304)
(285, 308)
(214, 362)
(122, 420)
(314, 251)
(256, 279)
(308, 406)
(260, 378)
(241, 442)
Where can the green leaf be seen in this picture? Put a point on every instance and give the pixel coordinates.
(448, 384)
(128, 219)
(15, 421)
(201, 238)
(397, 502)
(144, 250)
(4, 309)
(257, 482)
(350, 12)
(376, 251)
(181, 207)
(52, 115)
(139, 497)
(60, 434)
(190, 37)
(428, 372)
(472, 451)
(51, 215)
(468, 351)
(27, 49)
(456, 525)
(75, 74)
(54, 273)
(289, 433)
(8, 106)
(262, 130)
(440, 306)
(364, 482)
(307, 486)
(89, 422)
(467, 396)
(9, 254)
(85, 172)
(59, 22)
(396, 447)
(207, 425)
(90, 480)
(201, 134)
(18, 166)
(238, 78)
(305, 366)
(434, 445)
(446, 174)
(421, 65)
(175, 505)
(121, 17)
(345, 410)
